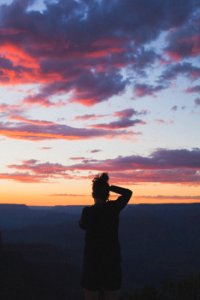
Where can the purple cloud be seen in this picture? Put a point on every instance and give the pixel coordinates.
(197, 101)
(94, 88)
(142, 90)
(184, 42)
(8, 111)
(81, 46)
(163, 165)
(95, 151)
(174, 108)
(129, 112)
(123, 120)
(159, 159)
(193, 89)
(122, 123)
(186, 69)
(36, 130)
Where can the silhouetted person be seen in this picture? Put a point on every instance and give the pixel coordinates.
(102, 260)
(1, 243)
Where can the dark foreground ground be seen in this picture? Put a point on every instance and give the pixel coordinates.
(25, 281)
(34, 281)
(41, 252)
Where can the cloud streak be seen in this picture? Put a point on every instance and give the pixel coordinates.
(168, 197)
(123, 120)
(164, 166)
(159, 159)
(38, 130)
(142, 90)
(122, 123)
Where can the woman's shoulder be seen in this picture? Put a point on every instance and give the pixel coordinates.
(86, 208)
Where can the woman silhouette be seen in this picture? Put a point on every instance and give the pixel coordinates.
(102, 260)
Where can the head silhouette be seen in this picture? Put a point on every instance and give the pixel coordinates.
(100, 187)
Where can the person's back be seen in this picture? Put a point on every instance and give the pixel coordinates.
(102, 268)
(101, 238)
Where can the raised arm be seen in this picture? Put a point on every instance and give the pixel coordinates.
(125, 195)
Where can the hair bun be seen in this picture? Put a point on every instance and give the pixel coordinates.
(104, 177)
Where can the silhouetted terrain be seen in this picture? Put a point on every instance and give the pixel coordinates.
(160, 243)
(24, 280)
(185, 289)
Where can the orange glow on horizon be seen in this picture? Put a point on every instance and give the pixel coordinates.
(39, 202)
(71, 191)
(62, 200)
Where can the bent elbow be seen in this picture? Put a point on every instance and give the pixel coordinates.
(129, 194)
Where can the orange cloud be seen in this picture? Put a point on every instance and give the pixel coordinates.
(23, 177)
(35, 122)
(18, 56)
(24, 67)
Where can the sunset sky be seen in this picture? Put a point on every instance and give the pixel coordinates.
(88, 86)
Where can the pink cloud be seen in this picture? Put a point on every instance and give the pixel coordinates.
(23, 177)
(37, 130)
(128, 113)
(182, 45)
(176, 176)
(29, 121)
(88, 51)
(193, 89)
(37, 100)
(40, 168)
(8, 110)
(165, 166)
